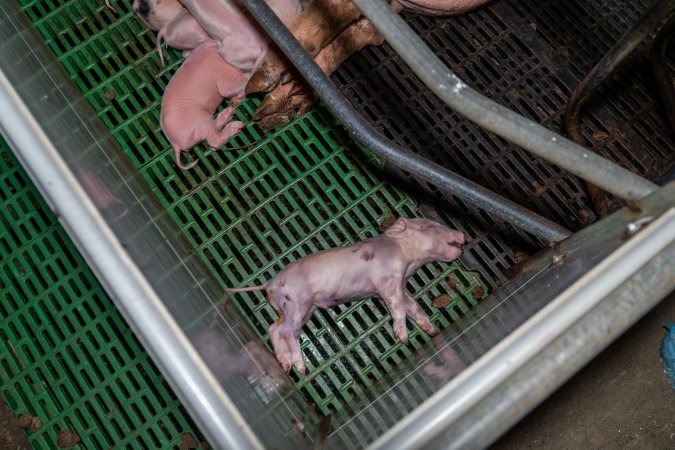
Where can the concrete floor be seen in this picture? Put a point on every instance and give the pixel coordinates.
(620, 400)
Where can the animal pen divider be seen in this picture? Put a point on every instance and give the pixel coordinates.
(81, 86)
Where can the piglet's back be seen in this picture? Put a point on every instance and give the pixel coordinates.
(242, 42)
(338, 268)
(195, 83)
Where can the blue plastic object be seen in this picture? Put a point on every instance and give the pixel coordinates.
(668, 353)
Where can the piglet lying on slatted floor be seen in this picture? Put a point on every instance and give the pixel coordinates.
(377, 266)
(330, 30)
(192, 97)
(222, 46)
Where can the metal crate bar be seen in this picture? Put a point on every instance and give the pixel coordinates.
(643, 265)
(496, 118)
(128, 242)
(443, 179)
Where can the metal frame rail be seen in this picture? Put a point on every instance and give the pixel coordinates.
(37, 103)
(34, 129)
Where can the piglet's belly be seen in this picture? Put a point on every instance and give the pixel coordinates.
(328, 299)
(344, 289)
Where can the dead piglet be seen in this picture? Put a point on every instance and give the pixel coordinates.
(192, 97)
(377, 266)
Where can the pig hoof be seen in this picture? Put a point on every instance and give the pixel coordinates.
(261, 82)
(285, 361)
(276, 120)
(271, 104)
(403, 338)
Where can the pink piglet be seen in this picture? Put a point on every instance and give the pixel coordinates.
(192, 97)
(182, 32)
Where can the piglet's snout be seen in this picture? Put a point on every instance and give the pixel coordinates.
(455, 244)
(458, 240)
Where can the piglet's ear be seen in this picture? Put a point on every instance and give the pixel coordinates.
(396, 229)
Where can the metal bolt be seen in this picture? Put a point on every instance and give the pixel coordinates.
(558, 259)
(635, 226)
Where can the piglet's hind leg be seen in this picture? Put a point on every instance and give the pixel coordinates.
(279, 344)
(224, 116)
(217, 139)
(293, 341)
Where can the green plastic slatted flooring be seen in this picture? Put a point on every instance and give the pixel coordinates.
(66, 354)
(70, 358)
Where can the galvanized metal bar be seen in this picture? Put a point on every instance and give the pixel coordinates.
(134, 295)
(502, 121)
(557, 363)
(458, 397)
(443, 179)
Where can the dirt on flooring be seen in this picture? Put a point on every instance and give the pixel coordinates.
(11, 434)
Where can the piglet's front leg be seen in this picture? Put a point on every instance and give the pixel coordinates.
(392, 292)
(400, 305)
(415, 312)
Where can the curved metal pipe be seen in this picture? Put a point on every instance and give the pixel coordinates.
(600, 72)
(502, 121)
(664, 78)
(443, 179)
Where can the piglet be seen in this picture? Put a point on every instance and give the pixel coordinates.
(192, 97)
(377, 266)
(182, 32)
(173, 24)
(241, 41)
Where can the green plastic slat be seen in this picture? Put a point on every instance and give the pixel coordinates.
(296, 190)
(66, 354)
